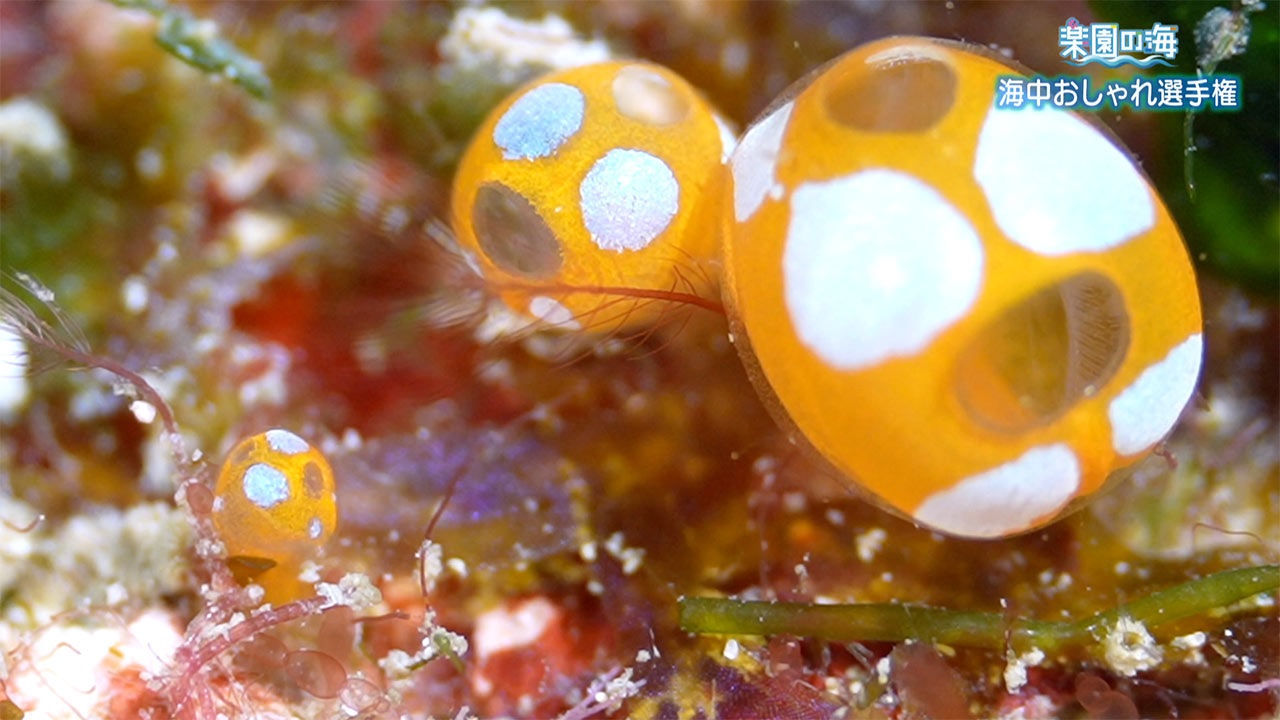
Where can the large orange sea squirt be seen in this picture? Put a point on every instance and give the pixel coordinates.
(977, 314)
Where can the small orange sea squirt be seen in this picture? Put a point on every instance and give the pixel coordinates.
(606, 176)
(274, 508)
(978, 314)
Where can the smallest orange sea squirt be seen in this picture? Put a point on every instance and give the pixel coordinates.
(977, 314)
(274, 508)
(590, 187)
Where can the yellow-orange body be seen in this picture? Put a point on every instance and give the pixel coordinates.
(532, 238)
(274, 508)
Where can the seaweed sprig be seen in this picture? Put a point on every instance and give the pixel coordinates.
(862, 622)
(64, 340)
(196, 42)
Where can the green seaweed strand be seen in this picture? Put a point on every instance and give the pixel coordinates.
(197, 43)
(895, 622)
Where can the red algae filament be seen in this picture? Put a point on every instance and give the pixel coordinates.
(315, 672)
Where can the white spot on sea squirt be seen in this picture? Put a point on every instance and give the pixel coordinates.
(537, 124)
(1056, 185)
(876, 265)
(628, 199)
(1146, 410)
(755, 162)
(1007, 498)
(265, 486)
(283, 441)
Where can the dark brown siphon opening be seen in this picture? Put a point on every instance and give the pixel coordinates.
(905, 93)
(512, 234)
(1044, 354)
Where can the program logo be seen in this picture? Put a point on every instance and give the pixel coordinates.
(1107, 44)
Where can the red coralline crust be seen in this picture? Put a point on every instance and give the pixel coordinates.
(534, 678)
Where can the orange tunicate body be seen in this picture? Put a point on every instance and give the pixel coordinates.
(600, 177)
(977, 314)
(274, 509)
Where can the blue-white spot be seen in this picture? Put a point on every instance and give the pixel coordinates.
(283, 441)
(265, 486)
(537, 124)
(1147, 410)
(877, 264)
(1007, 498)
(628, 198)
(314, 528)
(755, 163)
(1057, 186)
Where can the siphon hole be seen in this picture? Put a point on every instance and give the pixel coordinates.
(512, 234)
(902, 91)
(645, 96)
(241, 457)
(249, 565)
(1044, 354)
(313, 479)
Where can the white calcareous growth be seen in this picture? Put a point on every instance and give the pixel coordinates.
(256, 234)
(512, 627)
(628, 199)
(506, 49)
(508, 628)
(539, 122)
(1007, 498)
(72, 671)
(553, 312)
(731, 649)
(144, 411)
(67, 667)
(1015, 669)
(354, 590)
(876, 265)
(1057, 185)
(32, 139)
(1129, 647)
(1145, 411)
